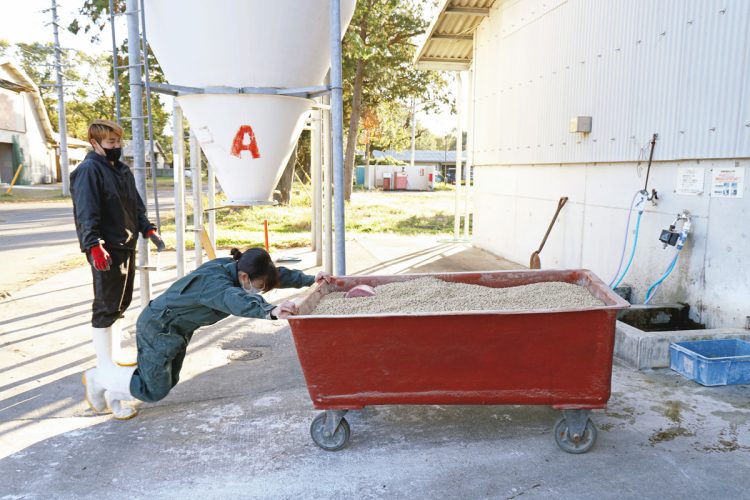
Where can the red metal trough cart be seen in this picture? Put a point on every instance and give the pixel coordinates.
(561, 358)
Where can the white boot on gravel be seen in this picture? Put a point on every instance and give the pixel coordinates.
(94, 391)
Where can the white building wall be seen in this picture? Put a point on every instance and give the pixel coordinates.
(679, 68)
(39, 156)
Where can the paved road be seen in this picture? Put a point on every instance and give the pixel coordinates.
(237, 424)
(35, 236)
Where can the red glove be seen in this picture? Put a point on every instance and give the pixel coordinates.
(101, 257)
(155, 238)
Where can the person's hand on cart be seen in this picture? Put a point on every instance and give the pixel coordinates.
(284, 310)
(322, 276)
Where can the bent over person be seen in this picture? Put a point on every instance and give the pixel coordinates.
(217, 289)
(109, 214)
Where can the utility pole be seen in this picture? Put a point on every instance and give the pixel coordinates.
(62, 126)
(137, 141)
(115, 72)
(413, 128)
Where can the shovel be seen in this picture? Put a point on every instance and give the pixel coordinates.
(535, 262)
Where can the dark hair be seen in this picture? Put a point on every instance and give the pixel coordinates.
(257, 263)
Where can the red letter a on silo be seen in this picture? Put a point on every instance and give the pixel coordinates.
(239, 144)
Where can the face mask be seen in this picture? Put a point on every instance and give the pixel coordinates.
(112, 154)
(252, 289)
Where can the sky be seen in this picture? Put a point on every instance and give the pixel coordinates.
(30, 21)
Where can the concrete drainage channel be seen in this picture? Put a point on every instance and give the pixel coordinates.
(644, 333)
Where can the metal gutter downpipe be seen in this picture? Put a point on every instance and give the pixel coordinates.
(136, 123)
(470, 145)
(178, 169)
(459, 147)
(337, 120)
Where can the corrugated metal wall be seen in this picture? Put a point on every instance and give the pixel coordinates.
(679, 68)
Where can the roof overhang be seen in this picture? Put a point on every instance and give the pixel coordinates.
(23, 80)
(450, 41)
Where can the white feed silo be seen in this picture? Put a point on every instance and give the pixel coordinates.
(231, 44)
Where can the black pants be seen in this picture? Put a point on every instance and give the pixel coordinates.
(113, 289)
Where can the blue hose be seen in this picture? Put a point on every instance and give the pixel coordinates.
(653, 288)
(625, 240)
(632, 253)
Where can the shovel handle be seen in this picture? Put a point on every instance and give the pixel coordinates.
(560, 205)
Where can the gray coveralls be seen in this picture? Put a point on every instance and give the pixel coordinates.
(209, 294)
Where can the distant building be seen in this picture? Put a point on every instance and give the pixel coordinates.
(26, 134)
(127, 156)
(443, 161)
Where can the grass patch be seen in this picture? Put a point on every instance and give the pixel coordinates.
(20, 198)
(404, 213)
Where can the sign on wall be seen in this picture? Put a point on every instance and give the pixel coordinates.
(690, 181)
(727, 182)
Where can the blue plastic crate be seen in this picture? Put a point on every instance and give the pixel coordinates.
(712, 362)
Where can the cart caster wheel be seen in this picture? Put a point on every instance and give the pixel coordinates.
(575, 444)
(331, 443)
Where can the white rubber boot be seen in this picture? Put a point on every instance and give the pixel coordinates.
(117, 384)
(93, 388)
(120, 355)
(102, 339)
(93, 391)
(108, 384)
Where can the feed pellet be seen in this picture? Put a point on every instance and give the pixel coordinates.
(430, 294)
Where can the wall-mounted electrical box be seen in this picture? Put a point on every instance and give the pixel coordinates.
(581, 124)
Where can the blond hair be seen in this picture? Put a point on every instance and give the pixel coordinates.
(100, 129)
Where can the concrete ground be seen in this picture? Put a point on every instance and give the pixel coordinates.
(237, 425)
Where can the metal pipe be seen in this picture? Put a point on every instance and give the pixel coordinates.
(316, 167)
(150, 116)
(327, 178)
(469, 154)
(136, 123)
(62, 126)
(312, 128)
(211, 204)
(115, 73)
(337, 136)
(178, 170)
(459, 146)
(195, 180)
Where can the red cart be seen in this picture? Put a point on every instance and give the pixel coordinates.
(561, 358)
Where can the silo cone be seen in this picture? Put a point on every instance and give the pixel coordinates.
(244, 43)
(246, 138)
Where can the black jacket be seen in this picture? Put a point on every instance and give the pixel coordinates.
(106, 204)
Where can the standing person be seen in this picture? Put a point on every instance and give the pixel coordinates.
(109, 214)
(219, 288)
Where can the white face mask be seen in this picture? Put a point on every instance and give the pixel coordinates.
(252, 289)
